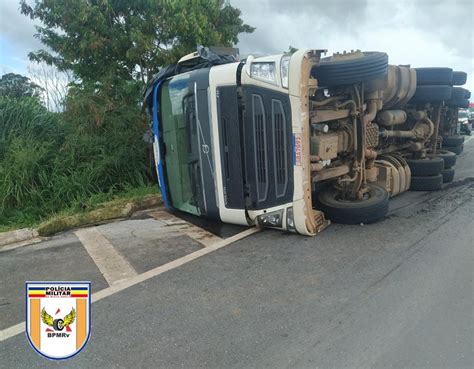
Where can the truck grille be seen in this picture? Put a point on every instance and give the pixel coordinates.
(268, 149)
(260, 142)
(279, 148)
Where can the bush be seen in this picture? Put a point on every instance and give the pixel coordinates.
(51, 161)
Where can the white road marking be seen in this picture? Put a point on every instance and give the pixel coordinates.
(12, 331)
(198, 234)
(171, 265)
(113, 266)
(19, 328)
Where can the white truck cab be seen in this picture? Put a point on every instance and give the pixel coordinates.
(229, 141)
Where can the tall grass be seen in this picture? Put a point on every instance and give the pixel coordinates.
(51, 161)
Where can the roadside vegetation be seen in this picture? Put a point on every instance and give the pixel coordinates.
(62, 162)
(92, 150)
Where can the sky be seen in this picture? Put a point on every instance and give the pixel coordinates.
(422, 33)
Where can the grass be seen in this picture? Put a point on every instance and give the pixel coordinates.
(121, 206)
(71, 162)
(95, 202)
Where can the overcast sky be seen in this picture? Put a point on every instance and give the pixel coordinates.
(420, 33)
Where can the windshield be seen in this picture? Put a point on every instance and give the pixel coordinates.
(462, 114)
(178, 123)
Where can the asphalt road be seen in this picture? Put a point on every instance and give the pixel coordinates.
(395, 294)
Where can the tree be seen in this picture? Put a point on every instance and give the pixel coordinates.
(17, 86)
(129, 40)
(54, 83)
(113, 47)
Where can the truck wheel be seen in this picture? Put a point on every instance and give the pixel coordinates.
(456, 149)
(426, 167)
(428, 183)
(459, 78)
(432, 93)
(458, 103)
(458, 93)
(348, 69)
(453, 141)
(368, 210)
(448, 175)
(434, 76)
(448, 157)
(58, 324)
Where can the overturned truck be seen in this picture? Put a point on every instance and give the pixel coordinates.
(295, 141)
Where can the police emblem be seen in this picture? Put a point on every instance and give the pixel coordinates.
(58, 317)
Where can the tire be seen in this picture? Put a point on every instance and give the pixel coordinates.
(456, 149)
(354, 212)
(467, 95)
(458, 93)
(448, 175)
(453, 141)
(428, 183)
(448, 157)
(458, 103)
(432, 93)
(459, 78)
(434, 76)
(344, 70)
(58, 324)
(426, 167)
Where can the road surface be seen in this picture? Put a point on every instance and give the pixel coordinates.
(395, 294)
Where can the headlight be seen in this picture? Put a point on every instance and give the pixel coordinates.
(273, 219)
(290, 221)
(284, 67)
(264, 71)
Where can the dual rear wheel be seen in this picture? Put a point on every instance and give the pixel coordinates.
(430, 173)
(426, 173)
(454, 144)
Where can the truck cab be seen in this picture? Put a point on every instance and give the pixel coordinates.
(228, 142)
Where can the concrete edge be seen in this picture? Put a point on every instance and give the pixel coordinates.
(18, 235)
(16, 245)
(107, 212)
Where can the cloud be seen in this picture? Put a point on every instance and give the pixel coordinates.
(450, 21)
(420, 33)
(16, 32)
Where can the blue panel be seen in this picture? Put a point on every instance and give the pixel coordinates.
(156, 131)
